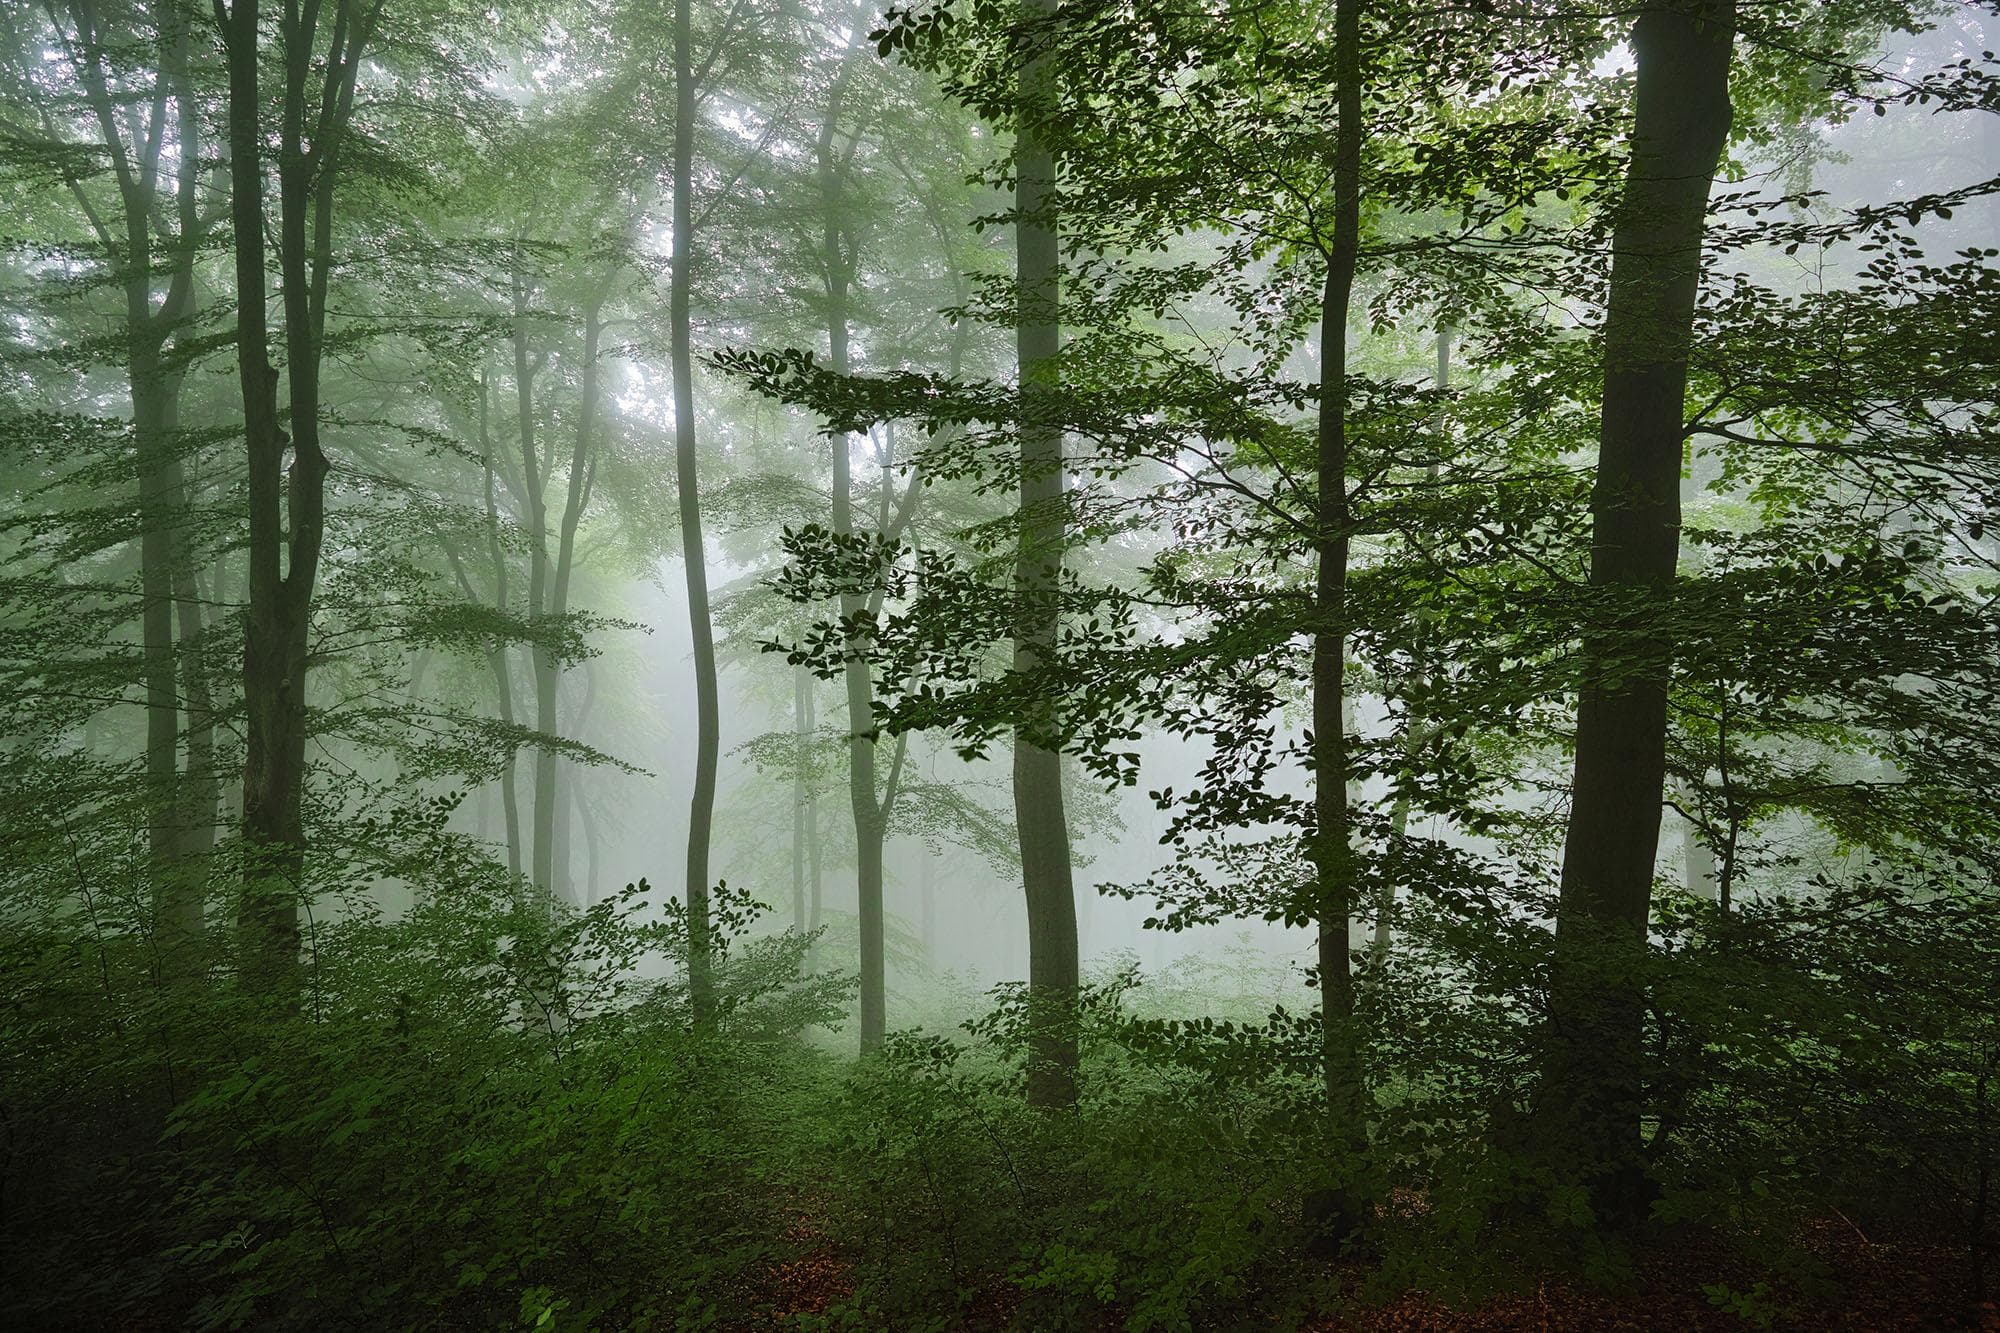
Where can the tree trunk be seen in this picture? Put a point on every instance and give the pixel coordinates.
(815, 878)
(857, 675)
(592, 847)
(571, 794)
(1332, 857)
(176, 912)
(1040, 819)
(202, 791)
(268, 916)
(287, 506)
(503, 678)
(802, 739)
(551, 600)
(701, 815)
(541, 666)
(927, 902)
(1681, 123)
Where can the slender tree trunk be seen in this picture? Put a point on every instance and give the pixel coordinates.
(1040, 818)
(927, 902)
(551, 812)
(541, 667)
(203, 788)
(815, 878)
(801, 684)
(570, 797)
(592, 846)
(1680, 125)
(701, 815)
(177, 913)
(503, 678)
(858, 675)
(287, 506)
(1332, 857)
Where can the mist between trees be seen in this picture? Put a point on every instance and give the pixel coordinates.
(999, 665)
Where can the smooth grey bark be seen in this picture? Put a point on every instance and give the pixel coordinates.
(1040, 818)
(1681, 121)
(701, 812)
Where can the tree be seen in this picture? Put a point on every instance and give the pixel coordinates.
(1681, 118)
(1039, 815)
(287, 525)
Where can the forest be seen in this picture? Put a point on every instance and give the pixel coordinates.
(1000, 664)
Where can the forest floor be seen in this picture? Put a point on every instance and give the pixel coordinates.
(1882, 1285)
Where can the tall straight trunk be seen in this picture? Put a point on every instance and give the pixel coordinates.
(202, 789)
(1332, 857)
(1040, 819)
(701, 813)
(815, 861)
(200, 796)
(176, 911)
(1680, 125)
(570, 797)
(593, 846)
(802, 739)
(287, 519)
(927, 902)
(550, 599)
(268, 916)
(541, 669)
(857, 675)
(503, 678)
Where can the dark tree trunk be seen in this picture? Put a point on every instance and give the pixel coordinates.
(287, 506)
(701, 814)
(268, 916)
(857, 675)
(1040, 819)
(1332, 857)
(1681, 123)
